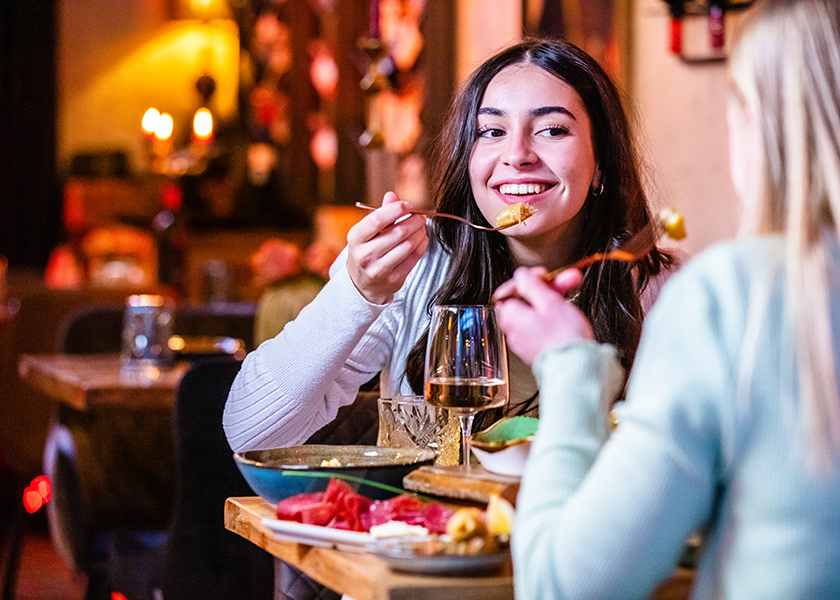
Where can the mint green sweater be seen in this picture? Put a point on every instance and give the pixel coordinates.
(698, 445)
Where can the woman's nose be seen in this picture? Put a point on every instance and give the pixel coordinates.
(519, 151)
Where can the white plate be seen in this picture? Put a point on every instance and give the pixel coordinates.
(315, 535)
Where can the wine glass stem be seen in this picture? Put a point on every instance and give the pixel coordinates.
(466, 420)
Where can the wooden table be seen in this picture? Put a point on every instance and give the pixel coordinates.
(87, 381)
(360, 575)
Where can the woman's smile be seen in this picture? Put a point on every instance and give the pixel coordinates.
(522, 189)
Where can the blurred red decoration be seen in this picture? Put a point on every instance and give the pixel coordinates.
(172, 196)
(43, 484)
(676, 35)
(323, 70)
(32, 500)
(37, 494)
(374, 23)
(324, 148)
(677, 10)
(64, 271)
(74, 207)
(717, 24)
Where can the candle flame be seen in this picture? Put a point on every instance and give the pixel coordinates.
(203, 124)
(164, 126)
(150, 119)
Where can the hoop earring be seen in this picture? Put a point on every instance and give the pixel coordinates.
(599, 191)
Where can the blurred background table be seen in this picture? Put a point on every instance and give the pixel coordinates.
(86, 381)
(360, 575)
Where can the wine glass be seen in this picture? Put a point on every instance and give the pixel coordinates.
(466, 364)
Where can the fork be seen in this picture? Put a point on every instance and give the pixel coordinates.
(637, 247)
(431, 213)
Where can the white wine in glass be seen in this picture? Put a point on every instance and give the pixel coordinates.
(466, 364)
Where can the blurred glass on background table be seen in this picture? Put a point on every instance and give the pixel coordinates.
(147, 327)
(411, 422)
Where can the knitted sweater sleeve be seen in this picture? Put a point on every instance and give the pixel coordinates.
(611, 521)
(294, 384)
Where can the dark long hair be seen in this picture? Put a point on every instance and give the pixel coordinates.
(481, 261)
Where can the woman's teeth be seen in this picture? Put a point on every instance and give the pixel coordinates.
(522, 189)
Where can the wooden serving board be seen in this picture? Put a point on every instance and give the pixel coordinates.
(452, 482)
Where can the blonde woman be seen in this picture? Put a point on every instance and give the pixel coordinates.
(732, 419)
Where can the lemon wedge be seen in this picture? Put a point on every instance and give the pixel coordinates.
(500, 516)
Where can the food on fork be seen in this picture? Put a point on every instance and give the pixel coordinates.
(514, 214)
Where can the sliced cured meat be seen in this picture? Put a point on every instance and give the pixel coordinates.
(311, 509)
(340, 507)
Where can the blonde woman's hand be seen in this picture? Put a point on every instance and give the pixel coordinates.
(383, 248)
(537, 315)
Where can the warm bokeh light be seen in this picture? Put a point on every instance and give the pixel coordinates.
(161, 71)
(199, 7)
(324, 148)
(323, 71)
(149, 122)
(203, 124)
(206, 9)
(164, 126)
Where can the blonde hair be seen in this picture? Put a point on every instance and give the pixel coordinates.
(785, 66)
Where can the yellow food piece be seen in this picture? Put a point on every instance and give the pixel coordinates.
(333, 462)
(513, 214)
(674, 224)
(466, 523)
(500, 516)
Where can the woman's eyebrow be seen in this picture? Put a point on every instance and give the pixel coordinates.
(550, 110)
(537, 112)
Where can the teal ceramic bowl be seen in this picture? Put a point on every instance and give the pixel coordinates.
(284, 472)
